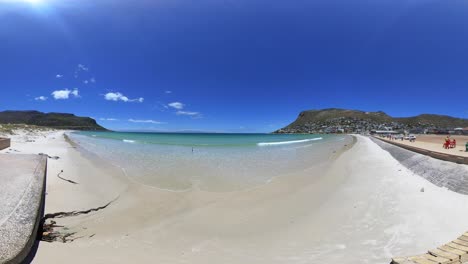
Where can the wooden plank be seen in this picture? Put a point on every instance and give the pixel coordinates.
(444, 254)
(422, 260)
(460, 242)
(439, 260)
(463, 256)
(459, 247)
(453, 250)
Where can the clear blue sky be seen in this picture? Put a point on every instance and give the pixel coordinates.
(232, 65)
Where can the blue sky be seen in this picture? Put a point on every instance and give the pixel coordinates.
(232, 65)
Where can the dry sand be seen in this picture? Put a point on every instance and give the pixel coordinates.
(365, 208)
(435, 143)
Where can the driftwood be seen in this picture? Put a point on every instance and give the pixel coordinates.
(50, 157)
(70, 181)
(49, 232)
(75, 213)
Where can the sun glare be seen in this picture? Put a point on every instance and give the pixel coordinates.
(33, 1)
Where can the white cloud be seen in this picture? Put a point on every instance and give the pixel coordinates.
(115, 97)
(75, 93)
(187, 113)
(65, 94)
(177, 105)
(81, 67)
(168, 92)
(91, 80)
(58, 76)
(40, 98)
(108, 119)
(120, 97)
(145, 121)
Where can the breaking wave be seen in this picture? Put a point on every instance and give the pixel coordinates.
(261, 144)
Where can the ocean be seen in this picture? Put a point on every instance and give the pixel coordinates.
(208, 161)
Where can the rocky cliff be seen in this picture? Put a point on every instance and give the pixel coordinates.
(53, 120)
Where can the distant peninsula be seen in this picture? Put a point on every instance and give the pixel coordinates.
(52, 120)
(335, 120)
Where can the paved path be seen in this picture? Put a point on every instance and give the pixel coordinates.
(22, 179)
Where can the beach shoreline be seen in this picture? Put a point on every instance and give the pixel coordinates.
(345, 213)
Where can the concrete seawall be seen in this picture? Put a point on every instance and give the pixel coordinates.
(4, 143)
(439, 172)
(22, 194)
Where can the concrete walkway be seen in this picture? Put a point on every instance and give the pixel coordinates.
(22, 191)
(441, 173)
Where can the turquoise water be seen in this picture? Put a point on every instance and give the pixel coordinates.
(204, 139)
(210, 162)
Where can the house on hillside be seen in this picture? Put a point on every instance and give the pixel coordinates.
(384, 132)
(465, 131)
(417, 130)
(458, 131)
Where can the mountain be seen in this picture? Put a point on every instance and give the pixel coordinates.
(54, 120)
(440, 121)
(352, 121)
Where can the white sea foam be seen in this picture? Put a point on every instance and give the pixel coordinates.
(287, 142)
(128, 141)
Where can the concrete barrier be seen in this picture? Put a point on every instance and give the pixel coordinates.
(22, 195)
(430, 153)
(4, 143)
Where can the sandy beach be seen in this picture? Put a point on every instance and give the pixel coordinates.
(363, 208)
(435, 143)
(233, 132)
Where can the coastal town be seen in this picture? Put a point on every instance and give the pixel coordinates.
(374, 123)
